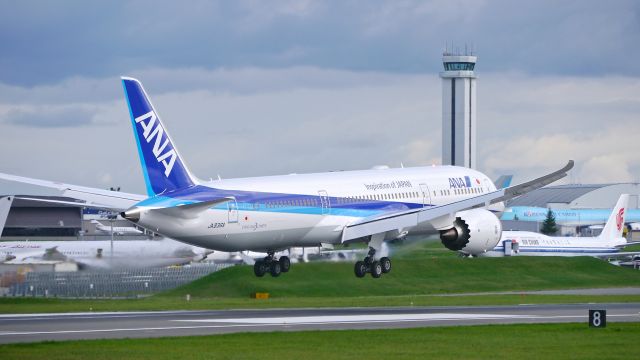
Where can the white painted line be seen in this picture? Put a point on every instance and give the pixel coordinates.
(357, 318)
(95, 314)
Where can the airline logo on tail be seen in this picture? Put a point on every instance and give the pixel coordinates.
(152, 129)
(619, 219)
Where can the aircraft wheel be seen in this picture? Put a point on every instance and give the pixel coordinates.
(285, 263)
(259, 268)
(360, 269)
(275, 269)
(376, 269)
(386, 264)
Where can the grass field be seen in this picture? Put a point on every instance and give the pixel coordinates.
(419, 272)
(543, 341)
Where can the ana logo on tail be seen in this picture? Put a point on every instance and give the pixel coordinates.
(153, 129)
(619, 218)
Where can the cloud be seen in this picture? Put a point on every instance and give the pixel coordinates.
(66, 116)
(262, 121)
(46, 42)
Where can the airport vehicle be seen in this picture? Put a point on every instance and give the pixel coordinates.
(119, 230)
(610, 241)
(269, 214)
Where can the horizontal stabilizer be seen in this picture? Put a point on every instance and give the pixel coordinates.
(112, 200)
(190, 211)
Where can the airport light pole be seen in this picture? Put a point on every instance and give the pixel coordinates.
(111, 218)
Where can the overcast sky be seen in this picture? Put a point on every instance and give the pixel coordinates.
(250, 88)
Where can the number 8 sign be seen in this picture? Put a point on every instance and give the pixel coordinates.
(598, 318)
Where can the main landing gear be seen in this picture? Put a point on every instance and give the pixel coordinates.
(375, 267)
(270, 265)
(370, 264)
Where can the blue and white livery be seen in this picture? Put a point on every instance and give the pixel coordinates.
(268, 214)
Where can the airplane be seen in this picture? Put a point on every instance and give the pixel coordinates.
(273, 213)
(569, 217)
(97, 254)
(609, 242)
(119, 230)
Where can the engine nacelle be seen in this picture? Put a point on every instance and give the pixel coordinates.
(473, 232)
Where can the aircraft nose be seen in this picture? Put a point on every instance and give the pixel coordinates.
(132, 214)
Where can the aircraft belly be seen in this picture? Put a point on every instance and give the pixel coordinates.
(257, 230)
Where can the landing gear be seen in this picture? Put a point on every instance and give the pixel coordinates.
(386, 264)
(259, 268)
(285, 263)
(270, 265)
(369, 264)
(275, 268)
(361, 269)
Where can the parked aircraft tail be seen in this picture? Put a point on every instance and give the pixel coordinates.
(504, 181)
(615, 225)
(162, 165)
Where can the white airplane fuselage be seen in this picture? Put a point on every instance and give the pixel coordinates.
(277, 212)
(97, 254)
(535, 244)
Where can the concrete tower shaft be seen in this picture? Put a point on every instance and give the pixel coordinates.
(459, 125)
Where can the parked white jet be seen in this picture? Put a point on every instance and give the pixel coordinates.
(609, 242)
(97, 254)
(119, 230)
(269, 214)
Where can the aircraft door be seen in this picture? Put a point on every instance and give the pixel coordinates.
(232, 207)
(426, 196)
(324, 201)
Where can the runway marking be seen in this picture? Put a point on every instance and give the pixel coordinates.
(356, 318)
(315, 320)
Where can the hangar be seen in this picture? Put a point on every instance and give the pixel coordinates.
(578, 196)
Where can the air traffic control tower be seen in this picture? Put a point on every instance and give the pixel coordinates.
(459, 109)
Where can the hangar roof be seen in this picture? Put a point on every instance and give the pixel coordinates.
(40, 204)
(554, 194)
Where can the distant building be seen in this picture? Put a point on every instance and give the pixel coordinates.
(28, 218)
(579, 196)
(459, 124)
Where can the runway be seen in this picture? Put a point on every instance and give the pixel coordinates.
(39, 327)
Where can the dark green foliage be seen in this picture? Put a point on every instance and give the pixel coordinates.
(549, 226)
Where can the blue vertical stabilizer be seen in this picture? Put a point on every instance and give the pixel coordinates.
(162, 166)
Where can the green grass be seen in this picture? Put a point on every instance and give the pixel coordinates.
(540, 341)
(420, 276)
(632, 248)
(420, 270)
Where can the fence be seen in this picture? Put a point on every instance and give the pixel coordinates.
(103, 284)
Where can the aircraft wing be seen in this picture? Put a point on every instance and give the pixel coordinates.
(618, 255)
(96, 198)
(442, 215)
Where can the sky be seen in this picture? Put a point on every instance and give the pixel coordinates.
(252, 88)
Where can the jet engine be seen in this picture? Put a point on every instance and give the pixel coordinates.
(473, 232)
